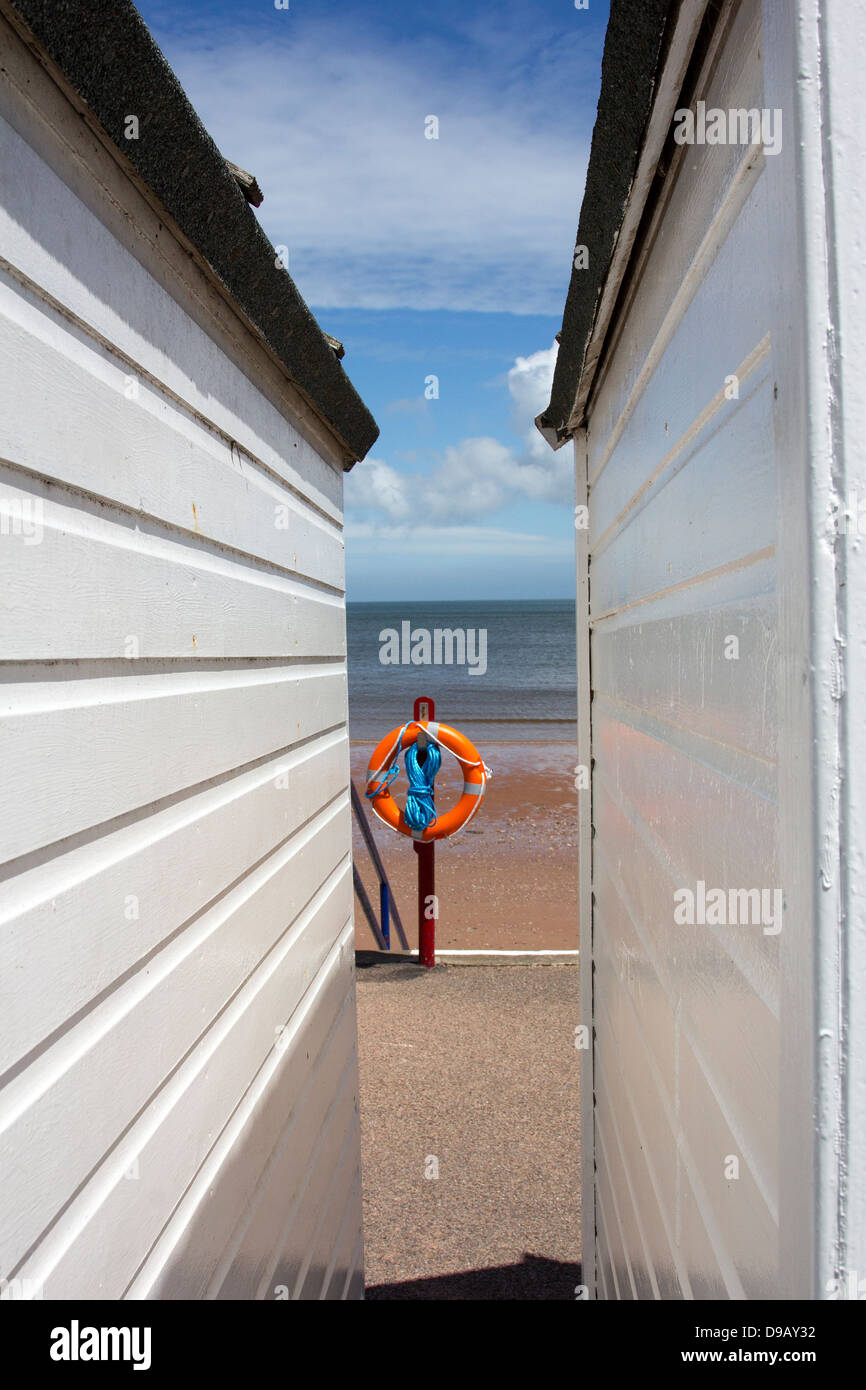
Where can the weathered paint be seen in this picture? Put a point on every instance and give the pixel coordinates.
(723, 1096)
(178, 1109)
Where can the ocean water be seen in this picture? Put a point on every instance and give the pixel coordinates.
(528, 692)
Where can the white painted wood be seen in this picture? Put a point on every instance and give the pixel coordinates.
(710, 518)
(171, 597)
(140, 884)
(56, 124)
(703, 193)
(685, 29)
(150, 1018)
(684, 474)
(65, 253)
(813, 65)
(583, 782)
(92, 733)
(843, 41)
(178, 1062)
(142, 452)
(98, 1241)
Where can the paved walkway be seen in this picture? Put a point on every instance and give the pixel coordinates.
(471, 1072)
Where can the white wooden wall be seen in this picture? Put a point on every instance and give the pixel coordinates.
(703, 1034)
(178, 1095)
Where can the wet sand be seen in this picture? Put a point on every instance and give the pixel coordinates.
(507, 882)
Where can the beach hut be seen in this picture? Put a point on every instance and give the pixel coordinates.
(710, 378)
(178, 1095)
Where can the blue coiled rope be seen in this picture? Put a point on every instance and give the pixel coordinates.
(420, 812)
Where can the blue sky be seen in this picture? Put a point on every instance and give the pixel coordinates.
(445, 258)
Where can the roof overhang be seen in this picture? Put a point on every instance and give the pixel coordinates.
(109, 63)
(647, 54)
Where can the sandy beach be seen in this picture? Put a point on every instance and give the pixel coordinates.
(509, 881)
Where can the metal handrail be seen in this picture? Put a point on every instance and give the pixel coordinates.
(387, 905)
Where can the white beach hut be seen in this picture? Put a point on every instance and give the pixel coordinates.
(178, 1094)
(711, 379)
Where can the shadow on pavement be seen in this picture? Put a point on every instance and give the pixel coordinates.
(534, 1278)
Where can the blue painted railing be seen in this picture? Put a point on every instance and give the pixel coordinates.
(387, 906)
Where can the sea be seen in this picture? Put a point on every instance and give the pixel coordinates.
(518, 683)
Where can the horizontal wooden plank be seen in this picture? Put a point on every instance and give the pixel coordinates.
(718, 509)
(701, 826)
(337, 1238)
(687, 390)
(737, 584)
(206, 1148)
(633, 951)
(117, 437)
(296, 904)
(316, 1128)
(679, 1182)
(318, 1221)
(662, 1259)
(676, 669)
(737, 1206)
(618, 1033)
(50, 237)
(168, 599)
(139, 885)
(280, 1253)
(346, 1244)
(707, 192)
(631, 1257)
(117, 744)
(685, 982)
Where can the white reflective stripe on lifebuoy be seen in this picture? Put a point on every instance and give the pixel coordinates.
(473, 788)
(417, 834)
(433, 729)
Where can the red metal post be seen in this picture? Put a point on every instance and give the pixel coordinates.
(426, 852)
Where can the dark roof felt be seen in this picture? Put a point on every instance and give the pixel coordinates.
(107, 55)
(632, 50)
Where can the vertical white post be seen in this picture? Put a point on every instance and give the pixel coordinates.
(584, 795)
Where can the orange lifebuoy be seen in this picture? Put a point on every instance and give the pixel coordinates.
(475, 775)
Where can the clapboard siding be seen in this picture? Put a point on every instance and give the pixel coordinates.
(62, 251)
(90, 732)
(208, 1142)
(170, 598)
(178, 1075)
(177, 469)
(703, 203)
(683, 484)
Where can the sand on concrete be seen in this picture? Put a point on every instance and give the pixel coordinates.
(477, 1070)
(509, 881)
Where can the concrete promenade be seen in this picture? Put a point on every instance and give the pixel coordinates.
(470, 1128)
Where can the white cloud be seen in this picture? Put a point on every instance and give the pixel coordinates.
(529, 382)
(378, 488)
(375, 215)
(408, 405)
(476, 477)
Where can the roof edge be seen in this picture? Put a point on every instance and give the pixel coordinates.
(105, 52)
(633, 54)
